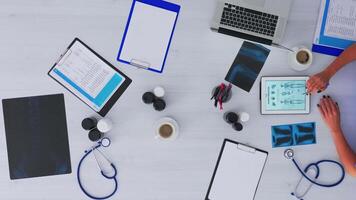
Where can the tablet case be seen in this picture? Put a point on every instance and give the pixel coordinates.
(145, 64)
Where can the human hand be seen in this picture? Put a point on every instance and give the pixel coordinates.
(330, 113)
(318, 83)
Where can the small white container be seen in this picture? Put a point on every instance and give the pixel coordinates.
(244, 116)
(159, 91)
(104, 125)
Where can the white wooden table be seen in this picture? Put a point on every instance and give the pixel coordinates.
(34, 33)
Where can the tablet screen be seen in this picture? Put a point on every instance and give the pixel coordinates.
(284, 95)
(87, 76)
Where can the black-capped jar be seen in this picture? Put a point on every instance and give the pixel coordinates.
(231, 117)
(89, 123)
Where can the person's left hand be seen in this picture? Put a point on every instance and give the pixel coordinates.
(330, 112)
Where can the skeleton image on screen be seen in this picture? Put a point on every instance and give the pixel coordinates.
(286, 95)
(290, 84)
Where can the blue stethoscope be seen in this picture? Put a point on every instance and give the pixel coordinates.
(105, 142)
(289, 154)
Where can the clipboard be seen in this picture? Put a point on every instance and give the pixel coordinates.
(90, 77)
(327, 44)
(148, 34)
(237, 172)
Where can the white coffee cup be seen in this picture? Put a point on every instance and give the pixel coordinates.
(300, 59)
(166, 129)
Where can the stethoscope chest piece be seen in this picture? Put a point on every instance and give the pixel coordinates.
(289, 154)
(105, 142)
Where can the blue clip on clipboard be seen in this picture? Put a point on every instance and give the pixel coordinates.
(148, 34)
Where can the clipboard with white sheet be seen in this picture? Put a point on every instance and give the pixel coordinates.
(148, 34)
(237, 172)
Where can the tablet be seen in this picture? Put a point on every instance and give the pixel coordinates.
(284, 95)
(89, 77)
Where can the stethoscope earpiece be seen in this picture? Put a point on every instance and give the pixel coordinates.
(296, 196)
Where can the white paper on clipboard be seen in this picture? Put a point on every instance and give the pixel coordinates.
(148, 36)
(238, 173)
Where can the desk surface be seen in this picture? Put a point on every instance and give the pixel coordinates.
(34, 33)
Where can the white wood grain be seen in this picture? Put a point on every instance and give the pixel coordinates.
(34, 33)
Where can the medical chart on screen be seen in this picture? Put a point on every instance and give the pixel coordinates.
(341, 19)
(285, 95)
(87, 76)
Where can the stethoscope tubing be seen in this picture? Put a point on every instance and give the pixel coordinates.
(318, 172)
(106, 176)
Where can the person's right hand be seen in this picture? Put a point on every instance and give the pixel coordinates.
(317, 83)
(330, 113)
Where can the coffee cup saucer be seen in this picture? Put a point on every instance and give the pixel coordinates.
(294, 64)
(170, 121)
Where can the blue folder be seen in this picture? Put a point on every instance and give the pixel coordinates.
(146, 64)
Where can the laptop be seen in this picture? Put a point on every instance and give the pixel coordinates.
(262, 21)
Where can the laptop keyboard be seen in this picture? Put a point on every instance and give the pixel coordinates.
(249, 20)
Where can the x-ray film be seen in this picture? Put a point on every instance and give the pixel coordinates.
(293, 134)
(247, 65)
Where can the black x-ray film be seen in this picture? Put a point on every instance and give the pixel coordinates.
(247, 65)
(36, 136)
